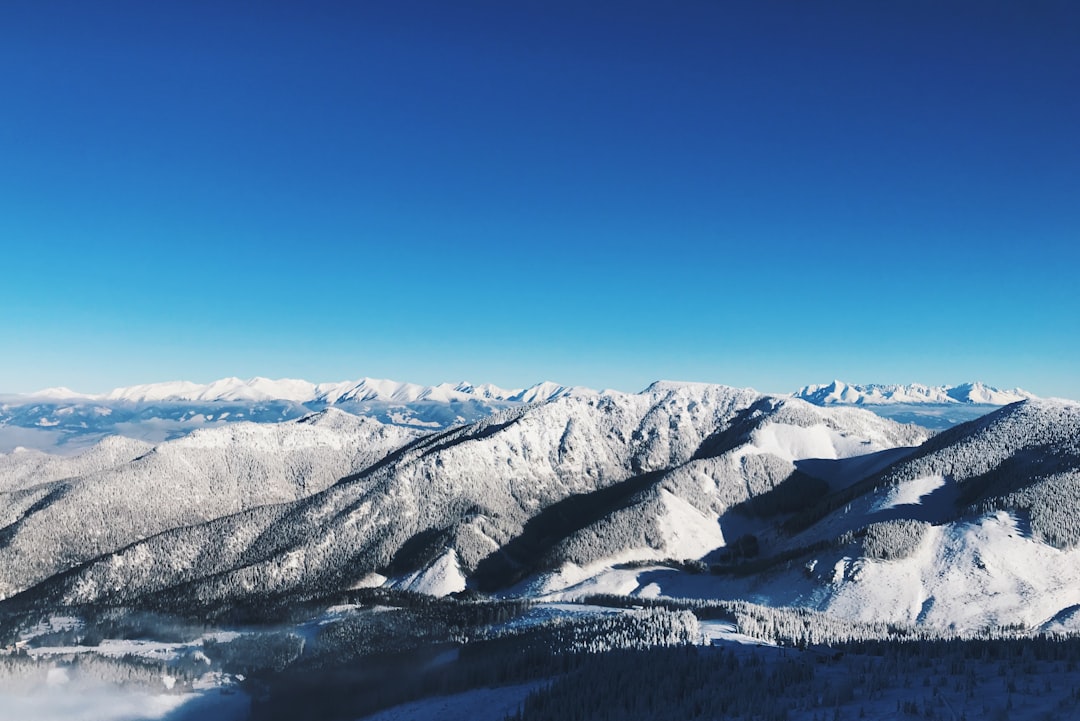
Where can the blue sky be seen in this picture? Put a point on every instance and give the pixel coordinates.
(604, 193)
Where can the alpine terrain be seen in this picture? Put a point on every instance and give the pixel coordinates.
(321, 552)
(60, 420)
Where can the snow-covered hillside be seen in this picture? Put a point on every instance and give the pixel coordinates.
(56, 512)
(25, 467)
(975, 529)
(998, 538)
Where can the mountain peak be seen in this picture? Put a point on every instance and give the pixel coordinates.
(667, 386)
(543, 391)
(59, 393)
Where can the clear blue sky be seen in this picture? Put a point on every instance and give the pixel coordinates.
(602, 193)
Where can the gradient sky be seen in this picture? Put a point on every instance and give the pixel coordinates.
(601, 193)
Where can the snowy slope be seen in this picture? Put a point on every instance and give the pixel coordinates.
(441, 577)
(966, 575)
(979, 527)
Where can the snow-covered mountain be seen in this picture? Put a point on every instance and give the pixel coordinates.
(470, 489)
(841, 393)
(302, 391)
(937, 407)
(977, 528)
(578, 480)
(56, 510)
(829, 507)
(387, 391)
(63, 420)
(66, 421)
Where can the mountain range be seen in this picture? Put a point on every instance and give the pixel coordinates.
(685, 490)
(63, 420)
(301, 391)
(372, 389)
(841, 393)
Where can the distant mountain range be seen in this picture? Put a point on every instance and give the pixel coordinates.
(388, 391)
(936, 407)
(301, 391)
(61, 419)
(67, 420)
(840, 393)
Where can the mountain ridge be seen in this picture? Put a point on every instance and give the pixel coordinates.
(61, 420)
(833, 508)
(619, 472)
(975, 392)
(259, 388)
(298, 390)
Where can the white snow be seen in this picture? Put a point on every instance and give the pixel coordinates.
(401, 418)
(965, 576)
(572, 581)
(52, 624)
(209, 474)
(370, 580)
(793, 443)
(441, 577)
(371, 389)
(909, 492)
(687, 532)
(651, 590)
(526, 459)
(717, 632)
(692, 387)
